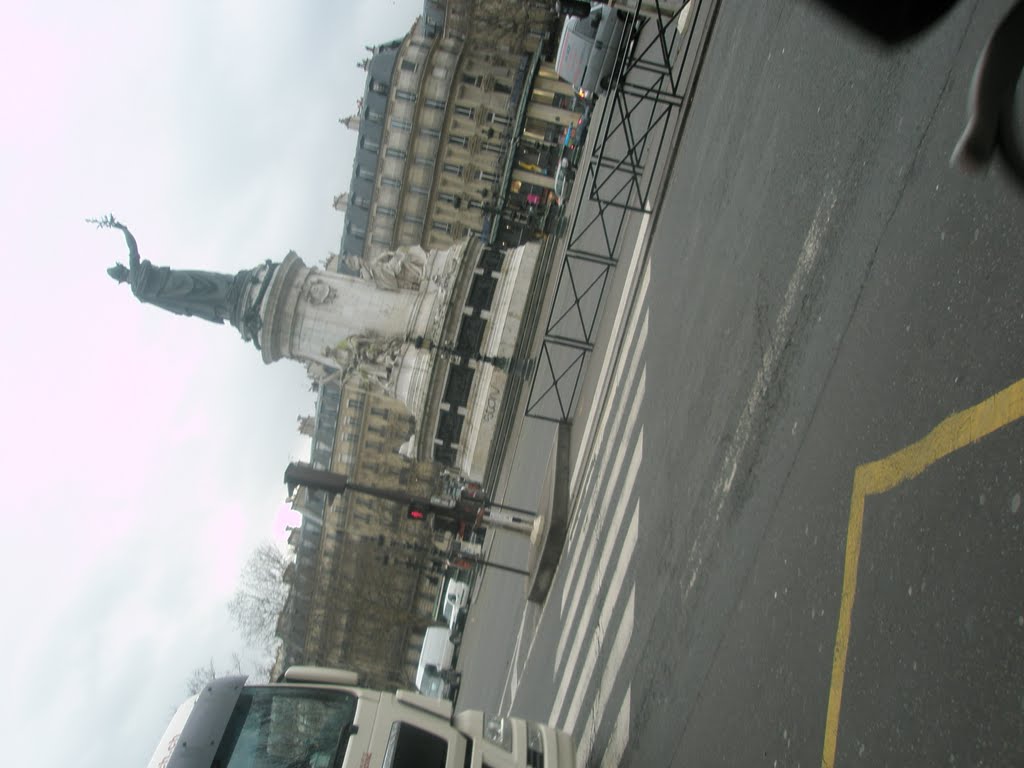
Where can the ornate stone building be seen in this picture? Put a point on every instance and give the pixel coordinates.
(459, 132)
(459, 129)
(360, 591)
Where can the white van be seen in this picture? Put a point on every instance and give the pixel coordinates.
(435, 674)
(321, 718)
(588, 49)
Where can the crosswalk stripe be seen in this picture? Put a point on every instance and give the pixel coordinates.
(597, 505)
(595, 473)
(616, 656)
(596, 637)
(512, 679)
(619, 737)
(609, 545)
(621, 311)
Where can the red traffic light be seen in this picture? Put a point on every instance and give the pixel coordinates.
(416, 513)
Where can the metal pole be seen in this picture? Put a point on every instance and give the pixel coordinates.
(489, 564)
(511, 508)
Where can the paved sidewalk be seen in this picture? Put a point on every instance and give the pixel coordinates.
(555, 506)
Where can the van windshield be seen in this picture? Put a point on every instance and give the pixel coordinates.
(273, 727)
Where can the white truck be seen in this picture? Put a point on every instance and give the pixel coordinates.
(589, 48)
(320, 718)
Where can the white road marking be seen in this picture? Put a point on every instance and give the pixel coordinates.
(609, 544)
(595, 473)
(512, 678)
(596, 637)
(620, 735)
(599, 502)
(604, 690)
(755, 399)
(614, 342)
(780, 335)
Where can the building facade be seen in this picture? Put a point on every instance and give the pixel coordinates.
(459, 132)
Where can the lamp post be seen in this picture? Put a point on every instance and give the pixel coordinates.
(469, 509)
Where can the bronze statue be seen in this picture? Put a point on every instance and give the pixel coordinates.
(213, 296)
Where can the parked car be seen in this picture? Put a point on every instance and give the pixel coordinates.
(456, 601)
(589, 49)
(564, 177)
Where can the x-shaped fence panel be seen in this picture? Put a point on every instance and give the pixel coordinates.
(647, 90)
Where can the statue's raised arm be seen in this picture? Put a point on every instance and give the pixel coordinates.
(213, 296)
(119, 272)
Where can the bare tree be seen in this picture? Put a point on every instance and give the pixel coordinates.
(202, 675)
(261, 595)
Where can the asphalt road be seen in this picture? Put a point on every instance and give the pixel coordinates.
(825, 295)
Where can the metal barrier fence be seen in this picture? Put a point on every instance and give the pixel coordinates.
(647, 90)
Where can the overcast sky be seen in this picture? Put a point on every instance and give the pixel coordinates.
(144, 452)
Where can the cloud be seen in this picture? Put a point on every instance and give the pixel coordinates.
(145, 451)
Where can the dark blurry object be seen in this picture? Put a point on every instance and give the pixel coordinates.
(892, 21)
(993, 115)
(577, 8)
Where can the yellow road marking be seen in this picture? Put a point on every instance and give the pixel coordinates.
(955, 432)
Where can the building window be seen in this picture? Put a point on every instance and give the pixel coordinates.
(441, 226)
(390, 181)
(463, 111)
(374, 116)
(414, 219)
(436, 103)
(458, 141)
(500, 87)
(397, 124)
(497, 119)
(369, 174)
(408, 65)
(418, 190)
(431, 133)
(487, 176)
(405, 95)
(395, 152)
(468, 79)
(378, 87)
(447, 197)
(453, 168)
(370, 143)
(491, 146)
(383, 210)
(355, 402)
(426, 160)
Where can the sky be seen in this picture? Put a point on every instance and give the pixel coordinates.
(144, 452)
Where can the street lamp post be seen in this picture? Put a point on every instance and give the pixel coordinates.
(471, 511)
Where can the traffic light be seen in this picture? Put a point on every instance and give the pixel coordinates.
(416, 512)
